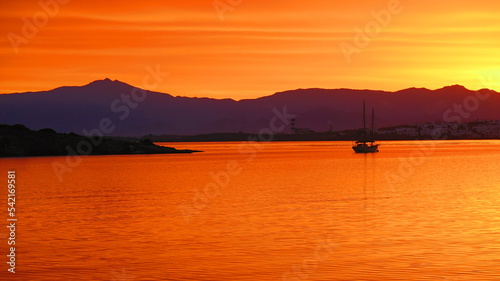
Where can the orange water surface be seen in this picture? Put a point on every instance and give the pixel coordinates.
(261, 211)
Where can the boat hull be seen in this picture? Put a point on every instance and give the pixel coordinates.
(365, 148)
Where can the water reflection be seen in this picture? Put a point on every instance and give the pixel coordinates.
(118, 216)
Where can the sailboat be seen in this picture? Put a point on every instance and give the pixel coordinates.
(367, 143)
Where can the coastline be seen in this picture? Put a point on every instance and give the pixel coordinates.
(19, 141)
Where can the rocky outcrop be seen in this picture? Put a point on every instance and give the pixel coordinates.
(19, 141)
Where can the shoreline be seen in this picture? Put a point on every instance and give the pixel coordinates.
(19, 141)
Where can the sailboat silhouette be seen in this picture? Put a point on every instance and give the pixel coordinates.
(367, 143)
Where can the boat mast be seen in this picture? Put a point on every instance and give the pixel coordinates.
(373, 121)
(364, 121)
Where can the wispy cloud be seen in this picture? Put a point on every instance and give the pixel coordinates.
(260, 48)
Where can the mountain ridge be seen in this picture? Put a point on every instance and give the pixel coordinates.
(110, 82)
(77, 108)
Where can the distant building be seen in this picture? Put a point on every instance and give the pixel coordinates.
(476, 129)
(296, 130)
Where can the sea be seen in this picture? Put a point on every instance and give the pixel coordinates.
(258, 211)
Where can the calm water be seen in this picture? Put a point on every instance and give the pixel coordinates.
(277, 211)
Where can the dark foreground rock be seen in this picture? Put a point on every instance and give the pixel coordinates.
(19, 141)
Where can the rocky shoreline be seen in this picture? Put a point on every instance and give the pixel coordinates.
(19, 141)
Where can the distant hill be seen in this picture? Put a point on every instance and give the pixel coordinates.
(74, 109)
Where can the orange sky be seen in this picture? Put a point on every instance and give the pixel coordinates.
(255, 48)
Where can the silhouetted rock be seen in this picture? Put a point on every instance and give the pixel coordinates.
(19, 141)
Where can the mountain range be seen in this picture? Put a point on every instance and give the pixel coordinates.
(125, 110)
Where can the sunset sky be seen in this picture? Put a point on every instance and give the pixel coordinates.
(248, 48)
